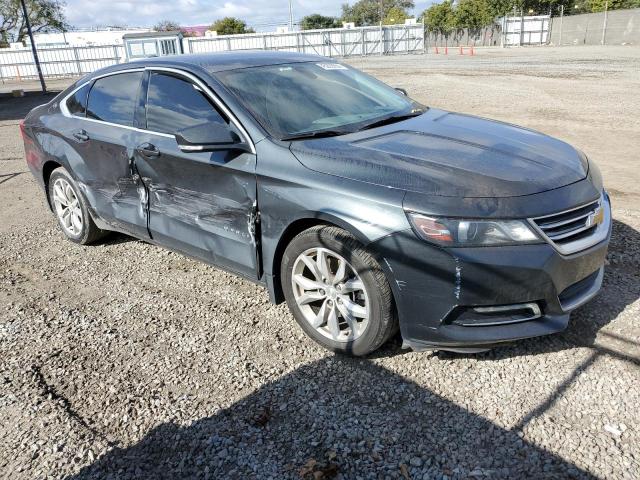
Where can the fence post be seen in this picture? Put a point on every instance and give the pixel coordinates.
(561, 18)
(77, 57)
(604, 26)
(364, 46)
(521, 27)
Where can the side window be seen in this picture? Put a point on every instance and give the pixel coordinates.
(113, 98)
(174, 104)
(77, 103)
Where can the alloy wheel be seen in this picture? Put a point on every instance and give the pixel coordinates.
(330, 294)
(67, 207)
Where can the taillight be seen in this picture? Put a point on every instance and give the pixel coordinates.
(22, 132)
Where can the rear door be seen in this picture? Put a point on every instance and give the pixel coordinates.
(202, 203)
(106, 139)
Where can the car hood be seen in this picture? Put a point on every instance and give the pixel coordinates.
(448, 154)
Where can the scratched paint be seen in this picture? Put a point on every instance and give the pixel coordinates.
(458, 284)
(208, 211)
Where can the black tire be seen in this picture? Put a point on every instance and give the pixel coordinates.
(89, 232)
(382, 321)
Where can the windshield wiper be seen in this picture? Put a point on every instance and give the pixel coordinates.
(391, 119)
(316, 134)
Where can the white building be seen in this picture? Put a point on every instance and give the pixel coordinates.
(108, 36)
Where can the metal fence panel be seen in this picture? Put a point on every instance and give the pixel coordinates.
(338, 42)
(526, 30)
(58, 62)
(614, 28)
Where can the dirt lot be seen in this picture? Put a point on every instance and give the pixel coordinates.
(122, 360)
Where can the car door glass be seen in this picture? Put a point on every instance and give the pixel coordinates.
(113, 98)
(77, 103)
(174, 103)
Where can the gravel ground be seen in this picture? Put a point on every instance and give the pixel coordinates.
(123, 360)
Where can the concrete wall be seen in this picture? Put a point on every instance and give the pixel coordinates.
(623, 27)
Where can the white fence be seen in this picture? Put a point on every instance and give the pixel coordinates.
(18, 64)
(526, 30)
(335, 42)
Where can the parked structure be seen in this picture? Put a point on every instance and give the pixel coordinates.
(152, 44)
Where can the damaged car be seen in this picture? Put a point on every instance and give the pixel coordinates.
(366, 211)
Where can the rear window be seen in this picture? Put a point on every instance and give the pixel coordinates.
(77, 103)
(113, 98)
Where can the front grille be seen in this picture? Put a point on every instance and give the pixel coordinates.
(576, 229)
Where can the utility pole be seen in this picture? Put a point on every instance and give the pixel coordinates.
(604, 26)
(290, 16)
(561, 17)
(381, 38)
(33, 46)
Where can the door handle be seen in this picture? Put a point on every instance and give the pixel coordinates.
(81, 135)
(148, 150)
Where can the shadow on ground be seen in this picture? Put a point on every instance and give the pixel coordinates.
(350, 417)
(17, 108)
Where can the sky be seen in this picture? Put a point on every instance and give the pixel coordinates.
(263, 15)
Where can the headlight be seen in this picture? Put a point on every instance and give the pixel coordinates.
(458, 232)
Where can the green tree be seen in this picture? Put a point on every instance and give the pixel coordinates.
(44, 16)
(440, 17)
(368, 12)
(315, 20)
(592, 6)
(231, 26)
(395, 15)
(472, 14)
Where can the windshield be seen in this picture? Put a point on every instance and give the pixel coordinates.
(300, 99)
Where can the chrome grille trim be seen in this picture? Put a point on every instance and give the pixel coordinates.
(581, 232)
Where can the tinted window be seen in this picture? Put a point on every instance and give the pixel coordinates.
(174, 104)
(77, 103)
(113, 99)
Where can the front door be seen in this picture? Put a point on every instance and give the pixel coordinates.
(201, 203)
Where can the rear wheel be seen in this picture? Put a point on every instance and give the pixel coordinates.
(337, 292)
(71, 209)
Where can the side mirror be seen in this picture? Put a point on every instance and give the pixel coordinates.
(402, 91)
(209, 137)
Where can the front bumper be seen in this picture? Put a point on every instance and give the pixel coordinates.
(433, 286)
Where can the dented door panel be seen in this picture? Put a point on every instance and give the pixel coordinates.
(108, 177)
(202, 203)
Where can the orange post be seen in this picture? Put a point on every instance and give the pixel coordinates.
(471, 52)
(461, 51)
(446, 49)
(437, 52)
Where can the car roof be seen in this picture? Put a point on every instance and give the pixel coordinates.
(220, 61)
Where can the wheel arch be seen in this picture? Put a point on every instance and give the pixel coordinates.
(297, 226)
(47, 169)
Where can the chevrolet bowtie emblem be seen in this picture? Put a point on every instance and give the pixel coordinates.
(596, 218)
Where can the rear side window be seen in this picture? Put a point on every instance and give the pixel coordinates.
(113, 98)
(174, 104)
(77, 103)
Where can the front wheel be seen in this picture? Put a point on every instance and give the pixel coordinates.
(337, 292)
